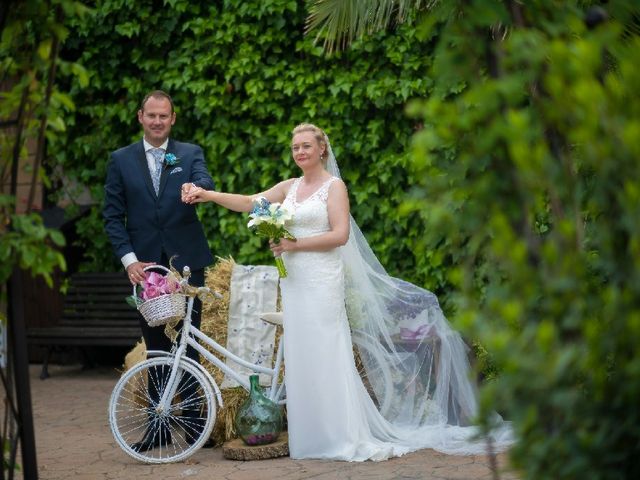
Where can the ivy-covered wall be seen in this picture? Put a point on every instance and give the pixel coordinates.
(242, 75)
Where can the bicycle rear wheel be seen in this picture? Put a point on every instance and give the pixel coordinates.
(162, 436)
(373, 371)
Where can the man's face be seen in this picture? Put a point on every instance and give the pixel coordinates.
(156, 119)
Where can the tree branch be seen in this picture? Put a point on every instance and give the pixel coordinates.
(53, 56)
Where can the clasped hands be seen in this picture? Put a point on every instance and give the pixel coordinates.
(190, 193)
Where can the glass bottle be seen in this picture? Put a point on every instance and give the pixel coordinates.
(259, 420)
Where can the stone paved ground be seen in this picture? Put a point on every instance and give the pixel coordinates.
(74, 442)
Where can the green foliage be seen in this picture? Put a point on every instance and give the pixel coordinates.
(32, 110)
(6, 455)
(339, 22)
(530, 185)
(27, 39)
(242, 75)
(29, 245)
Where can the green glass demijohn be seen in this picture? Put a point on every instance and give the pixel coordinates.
(259, 420)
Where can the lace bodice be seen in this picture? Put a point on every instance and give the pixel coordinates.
(310, 217)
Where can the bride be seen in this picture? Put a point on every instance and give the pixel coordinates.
(417, 392)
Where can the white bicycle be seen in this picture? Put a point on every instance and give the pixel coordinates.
(169, 400)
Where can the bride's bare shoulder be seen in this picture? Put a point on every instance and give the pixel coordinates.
(337, 184)
(279, 192)
(286, 185)
(289, 181)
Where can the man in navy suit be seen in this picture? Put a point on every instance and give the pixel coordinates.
(146, 220)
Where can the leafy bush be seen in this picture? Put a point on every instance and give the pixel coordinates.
(31, 112)
(531, 180)
(28, 245)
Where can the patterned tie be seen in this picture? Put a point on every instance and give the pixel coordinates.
(158, 156)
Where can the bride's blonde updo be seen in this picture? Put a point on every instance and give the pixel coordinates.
(317, 133)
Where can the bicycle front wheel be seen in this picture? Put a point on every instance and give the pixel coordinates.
(151, 434)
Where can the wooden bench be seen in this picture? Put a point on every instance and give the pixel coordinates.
(95, 313)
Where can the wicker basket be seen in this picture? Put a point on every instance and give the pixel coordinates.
(163, 309)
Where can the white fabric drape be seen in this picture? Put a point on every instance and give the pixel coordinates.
(253, 290)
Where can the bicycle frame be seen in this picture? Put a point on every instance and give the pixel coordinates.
(189, 337)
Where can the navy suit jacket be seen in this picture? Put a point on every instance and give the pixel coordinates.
(137, 220)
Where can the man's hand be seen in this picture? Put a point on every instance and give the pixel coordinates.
(186, 189)
(195, 195)
(136, 271)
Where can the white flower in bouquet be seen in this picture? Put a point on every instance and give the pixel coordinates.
(269, 220)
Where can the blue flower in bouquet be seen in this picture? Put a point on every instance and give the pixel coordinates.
(272, 214)
(269, 220)
(170, 159)
(260, 210)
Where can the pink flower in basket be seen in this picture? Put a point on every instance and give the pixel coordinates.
(155, 285)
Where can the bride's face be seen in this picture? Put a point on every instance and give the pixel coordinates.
(306, 150)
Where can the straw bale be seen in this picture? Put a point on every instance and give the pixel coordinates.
(215, 314)
(224, 428)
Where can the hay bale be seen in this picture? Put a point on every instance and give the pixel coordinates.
(224, 428)
(135, 356)
(216, 314)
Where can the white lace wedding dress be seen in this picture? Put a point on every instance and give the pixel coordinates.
(330, 413)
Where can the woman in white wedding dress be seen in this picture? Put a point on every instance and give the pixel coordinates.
(335, 287)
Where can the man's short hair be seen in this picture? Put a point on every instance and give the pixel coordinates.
(156, 94)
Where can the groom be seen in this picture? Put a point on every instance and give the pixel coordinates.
(148, 223)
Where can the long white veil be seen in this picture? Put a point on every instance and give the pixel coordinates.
(415, 365)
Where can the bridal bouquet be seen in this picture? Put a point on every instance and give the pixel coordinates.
(269, 220)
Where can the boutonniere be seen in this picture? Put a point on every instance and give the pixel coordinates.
(170, 159)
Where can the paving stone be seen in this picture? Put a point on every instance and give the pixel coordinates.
(74, 441)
